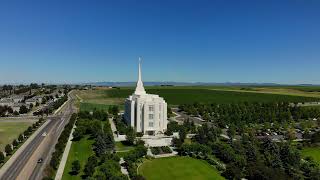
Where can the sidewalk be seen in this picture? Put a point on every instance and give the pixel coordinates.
(117, 138)
(65, 156)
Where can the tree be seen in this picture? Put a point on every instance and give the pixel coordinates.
(75, 167)
(114, 110)
(78, 134)
(290, 134)
(90, 166)
(8, 149)
(16, 113)
(15, 143)
(103, 144)
(231, 132)
(315, 137)
(34, 86)
(130, 135)
(1, 157)
(23, 109)
(20, 138)
(182, 133)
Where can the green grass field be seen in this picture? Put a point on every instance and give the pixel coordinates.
(80, 150)
(314, 152)
(91, 107)
(120, 146)
(178, 168)
(10, 131)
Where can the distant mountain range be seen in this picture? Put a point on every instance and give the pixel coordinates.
(121, 84)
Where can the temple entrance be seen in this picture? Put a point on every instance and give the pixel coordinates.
(150, 133)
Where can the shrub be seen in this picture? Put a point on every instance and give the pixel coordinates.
(8, 149)
(75, 167)
(1, 157)
(166, 149)
(155, 150)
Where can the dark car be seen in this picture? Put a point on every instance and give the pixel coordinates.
(40, 160)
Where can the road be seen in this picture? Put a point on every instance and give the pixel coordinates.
(42, 146)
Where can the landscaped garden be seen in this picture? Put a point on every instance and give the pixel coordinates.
(80, 150)
(184, 168)
(313, 152)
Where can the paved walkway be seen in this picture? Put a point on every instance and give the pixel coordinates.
(123, 169)
(65, 156)
(117, 138)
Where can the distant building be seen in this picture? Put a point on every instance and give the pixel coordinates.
(146, 113)
(6, 102)
(17, 99)
(32, 101)
(17, 106)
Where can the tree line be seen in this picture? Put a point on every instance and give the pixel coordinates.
(240, 114)
(10, 148)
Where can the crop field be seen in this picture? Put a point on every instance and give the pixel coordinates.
(313, 152)
(102, 98)
(176, 96)
(179, 168)
(313, 91)
(10, 130)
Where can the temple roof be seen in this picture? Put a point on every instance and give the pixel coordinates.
(139, 88)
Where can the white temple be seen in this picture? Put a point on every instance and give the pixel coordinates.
(146, 113)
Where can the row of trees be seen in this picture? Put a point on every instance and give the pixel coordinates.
(244, 113)
(9, 148)
(52, 107)
(62, 141)
(20, 88)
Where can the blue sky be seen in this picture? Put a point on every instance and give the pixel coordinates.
(67, 41)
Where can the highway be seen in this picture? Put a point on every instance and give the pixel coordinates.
(25, 166)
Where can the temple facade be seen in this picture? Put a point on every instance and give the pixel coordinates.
(146, 113)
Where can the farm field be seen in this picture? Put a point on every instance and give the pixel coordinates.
(314, 152)
(179, 168)
(175, 96)
(283, 90)
(80, 150)
(10, 130)
(182, 95)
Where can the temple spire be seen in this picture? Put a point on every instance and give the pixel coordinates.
(139, 89)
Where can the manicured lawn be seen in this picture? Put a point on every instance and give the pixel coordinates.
(80, 150)
(91, 107)
(314, 152)
(10, 131)
(120, 146)
(178, 168)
